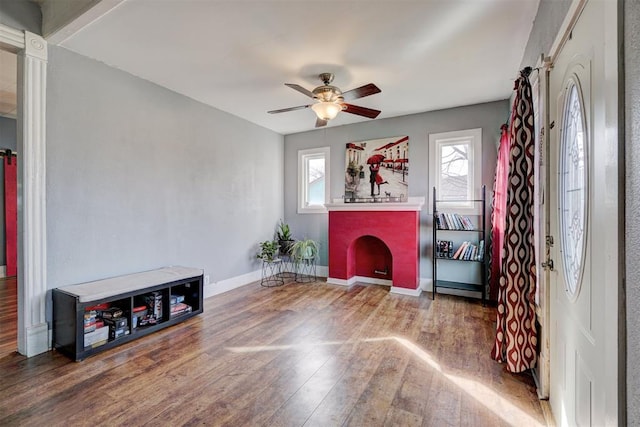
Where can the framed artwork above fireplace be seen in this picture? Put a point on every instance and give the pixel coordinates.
(377, 170)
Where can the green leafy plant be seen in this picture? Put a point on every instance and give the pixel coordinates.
(306, 249)
(283, 234)
(268, 250)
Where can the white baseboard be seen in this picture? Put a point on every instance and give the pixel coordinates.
(406, 291)
(375, 281)
(322, 271)
(426, 284)
(341, 282)
(227, 285)
(3, 271)
(37, 340)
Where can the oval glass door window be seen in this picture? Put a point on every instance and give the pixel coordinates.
(573, 181)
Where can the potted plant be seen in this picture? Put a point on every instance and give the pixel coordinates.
(268, 250)
(285, 240)
(304, 254)
(306, 249)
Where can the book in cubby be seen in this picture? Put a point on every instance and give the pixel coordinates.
(459, 237)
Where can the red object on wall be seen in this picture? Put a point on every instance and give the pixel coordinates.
(400, 232)
(11, 214)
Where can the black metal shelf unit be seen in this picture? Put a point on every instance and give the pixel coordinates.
(477, 235)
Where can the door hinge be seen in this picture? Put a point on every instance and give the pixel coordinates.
(548, 264)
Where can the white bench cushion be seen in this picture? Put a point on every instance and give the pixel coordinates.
(105, 288)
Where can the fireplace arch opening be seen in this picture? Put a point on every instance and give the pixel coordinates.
(372, 258)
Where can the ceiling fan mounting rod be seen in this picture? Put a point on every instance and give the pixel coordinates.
(326, 78)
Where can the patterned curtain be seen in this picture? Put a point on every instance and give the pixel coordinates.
(516, 337)
(498, 212)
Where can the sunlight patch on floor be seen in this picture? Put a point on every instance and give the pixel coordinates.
(489, 398)
(497, 404)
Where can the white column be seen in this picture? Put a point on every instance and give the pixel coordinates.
(32, 246)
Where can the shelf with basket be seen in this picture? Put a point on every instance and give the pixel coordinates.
(460, 238)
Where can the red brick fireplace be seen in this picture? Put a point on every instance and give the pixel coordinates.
(376, 243)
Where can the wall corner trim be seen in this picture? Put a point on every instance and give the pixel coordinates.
(32, 229)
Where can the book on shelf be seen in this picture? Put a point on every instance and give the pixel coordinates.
(453, 221)
(97, 337)
(180, 308)
(481, 251)
(468, 225)
(460, 250)
(467, 250)
(441, 222)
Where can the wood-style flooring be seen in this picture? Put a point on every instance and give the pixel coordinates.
(301, 354)
(8, 315)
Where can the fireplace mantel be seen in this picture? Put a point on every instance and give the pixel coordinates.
(412, 204)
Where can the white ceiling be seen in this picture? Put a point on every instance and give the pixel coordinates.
(236, 55)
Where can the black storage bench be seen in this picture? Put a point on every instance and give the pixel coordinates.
(92, 317)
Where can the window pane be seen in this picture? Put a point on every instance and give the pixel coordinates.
(315, 181)
(454, 172)
(573, 190)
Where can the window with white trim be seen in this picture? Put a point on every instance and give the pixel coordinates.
(313, 180)
(455, 169)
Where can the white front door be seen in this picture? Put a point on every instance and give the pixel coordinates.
(584, 221)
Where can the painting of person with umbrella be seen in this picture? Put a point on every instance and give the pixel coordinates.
(374, 170)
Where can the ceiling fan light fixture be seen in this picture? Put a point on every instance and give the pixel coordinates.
(326, 110)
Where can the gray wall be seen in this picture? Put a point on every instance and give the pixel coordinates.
(139, 177)
(21, 15)
(546, 24)
(487, 116)
(8, 139)
(632, 198)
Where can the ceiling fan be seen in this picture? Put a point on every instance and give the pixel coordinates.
(330, 100)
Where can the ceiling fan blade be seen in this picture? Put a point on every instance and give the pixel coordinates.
(361, 111)
(300, 89)
(320, 123)
(361, 92)
(284, 110)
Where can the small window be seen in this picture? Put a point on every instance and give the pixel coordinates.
(455, 168)
(574, 188)
(313, 182)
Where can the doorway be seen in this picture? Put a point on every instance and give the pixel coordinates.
(8, 202)
(31, 49)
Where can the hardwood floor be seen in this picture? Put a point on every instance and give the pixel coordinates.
(8, 315)
(301, 354)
